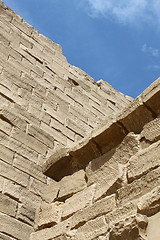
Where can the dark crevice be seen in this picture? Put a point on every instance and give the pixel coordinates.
(6, 97)
(6, 119)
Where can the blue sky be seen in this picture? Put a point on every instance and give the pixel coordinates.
(114, 40)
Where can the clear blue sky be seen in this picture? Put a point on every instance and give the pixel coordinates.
(114, 40)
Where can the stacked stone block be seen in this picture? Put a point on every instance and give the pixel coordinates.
(45, 103)
(116, 195)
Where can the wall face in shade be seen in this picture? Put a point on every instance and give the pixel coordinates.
(45, 103)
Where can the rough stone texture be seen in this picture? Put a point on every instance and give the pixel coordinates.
(100, 147)
(45, 104)
(125, 174)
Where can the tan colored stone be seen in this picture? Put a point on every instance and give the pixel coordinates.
(106, 170)
(139, 187)
(151, 130)
(153, 230)
(14, 174)
(101, 207)
(149, 204)
(12, 189)
(48, 215)
(135, 116)
(29, 167)
(78, 201)
(92, 229)
(29, 141)
(6, 154)
(5, 126)
(144, 161)
(7, 205)
(121, 213)
(13, 119)
(14, 228)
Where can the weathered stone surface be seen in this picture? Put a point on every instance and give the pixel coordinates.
(14, 228)
(29, 167)
(10, 116)
(26, 213)
(126, 229)
(65, 188)
(41, 136)
(48, 215)
(101, 207)
(29, 141)
(151, 130)
(144, 161)
(106, 172)
(139, 187)
(149, 204)
(12, 189)
(121, 213)
(78, 201)
(7, 205)
(13, 174)
(51, 233)
(92, 229)
(135, 116)
(6, 154)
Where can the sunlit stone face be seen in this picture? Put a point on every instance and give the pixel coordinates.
(153, 230)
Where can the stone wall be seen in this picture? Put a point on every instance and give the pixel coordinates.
(45, 103)
(111, 189)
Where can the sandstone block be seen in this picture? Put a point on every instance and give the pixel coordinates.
(23, 26)
(65, 188)
(14, 174)
(127, 228)
(92, 229)
(12, 189)
(26, 213)
(29, 167)
(41, 135)
(139, 187)
(50, 233)
(1, 183)
(121, 212)
(18, 147)
(7, 205)
(5, 126)
(13, 119)
(135, 116)
(144, 161)
(78, 201)
(153, 230)
(151, 130)
(101, 207)
(6, 154)
(29, 141)
(149, 204)
(58, 135)
(105, 170)
(13, 227)
(48, 215)
(5, 237)
(36, 186)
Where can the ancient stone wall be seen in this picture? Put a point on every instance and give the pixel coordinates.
(45, 103)
(111, 189)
